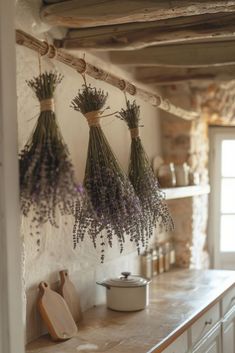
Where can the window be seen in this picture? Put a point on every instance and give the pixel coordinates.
(227, 205)
(222, 199)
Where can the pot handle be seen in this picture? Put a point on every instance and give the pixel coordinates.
(125, 274)
(103, 284)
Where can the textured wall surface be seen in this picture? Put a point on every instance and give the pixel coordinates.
(56, 252)
(187, 141)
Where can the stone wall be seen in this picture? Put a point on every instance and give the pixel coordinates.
(187, 141)
(190, 234)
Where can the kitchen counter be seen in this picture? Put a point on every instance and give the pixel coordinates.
(177, 299)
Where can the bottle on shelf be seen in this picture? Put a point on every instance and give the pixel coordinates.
(172, 254)
(166, 253)
(146, 264)
(155, 262)
(160, 259)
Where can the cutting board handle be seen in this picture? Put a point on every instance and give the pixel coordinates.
(63, 275)
(43, 286)
(70, 295)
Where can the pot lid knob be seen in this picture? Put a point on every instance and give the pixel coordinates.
(126, 274)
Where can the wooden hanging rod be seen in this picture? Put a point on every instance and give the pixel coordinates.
(81, 66)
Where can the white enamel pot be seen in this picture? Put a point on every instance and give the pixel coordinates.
(126, 293)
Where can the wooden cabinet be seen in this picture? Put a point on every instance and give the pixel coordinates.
(180, 345)
(213, 332)
(228, 332)
(228, 301)
(205, 323)
(211, 343)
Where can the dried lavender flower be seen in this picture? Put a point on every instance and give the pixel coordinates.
(142, 176)
(112, 196)
(47, 180)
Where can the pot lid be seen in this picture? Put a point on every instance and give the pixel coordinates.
(127, 280)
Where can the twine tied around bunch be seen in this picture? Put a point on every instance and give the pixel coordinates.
(47, 105)
(135, 132)
(93, 118)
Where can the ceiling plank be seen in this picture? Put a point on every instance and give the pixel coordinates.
(164, 76)
(182, 55)
(49, 2)
(140, 35)
(92, 13)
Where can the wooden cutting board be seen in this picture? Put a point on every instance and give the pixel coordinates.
(55, 314)
(70, 295)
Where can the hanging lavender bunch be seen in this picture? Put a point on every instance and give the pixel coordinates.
(142, 176)
(47, 181)
(111, 193)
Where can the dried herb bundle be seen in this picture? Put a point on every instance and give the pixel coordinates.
(113, 198)
(142, 176)
(47, 181)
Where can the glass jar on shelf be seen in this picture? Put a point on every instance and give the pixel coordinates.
(166, 175)
(194, 178)
(182, 174)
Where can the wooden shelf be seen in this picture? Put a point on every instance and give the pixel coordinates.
(186, 191)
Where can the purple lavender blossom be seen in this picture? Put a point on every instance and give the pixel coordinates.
(117, 208)
(143, 179)
(47, 179)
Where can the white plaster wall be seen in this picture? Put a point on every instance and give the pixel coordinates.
(56, 250)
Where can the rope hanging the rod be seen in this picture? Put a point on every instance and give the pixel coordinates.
(45, 49)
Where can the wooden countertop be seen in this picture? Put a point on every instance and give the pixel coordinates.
(177, 299)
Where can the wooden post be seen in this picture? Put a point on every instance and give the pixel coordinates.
(11, 320)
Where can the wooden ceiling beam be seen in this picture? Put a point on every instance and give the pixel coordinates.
(181, 55)
(158, 76)
(140, 35)
(92, 13)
